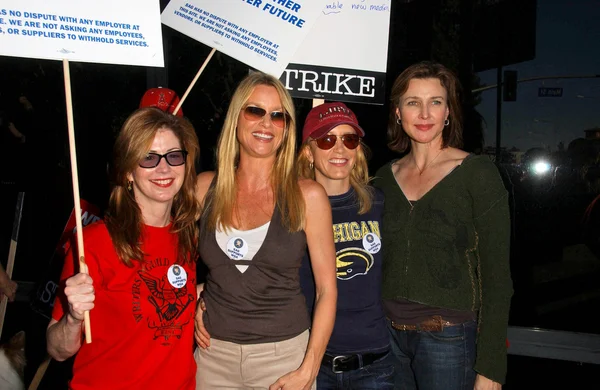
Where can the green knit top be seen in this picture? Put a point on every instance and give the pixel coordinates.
(451, 250)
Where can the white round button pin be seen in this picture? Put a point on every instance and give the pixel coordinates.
(237, 248)
(177, 276)
(371, 243)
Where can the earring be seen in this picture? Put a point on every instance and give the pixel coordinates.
(446, 122)
(311, 165)
(398, 121)
(129, 186)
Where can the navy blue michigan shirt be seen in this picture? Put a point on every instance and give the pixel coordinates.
(360, 322)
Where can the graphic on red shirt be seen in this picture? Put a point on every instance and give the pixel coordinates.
(157, 283)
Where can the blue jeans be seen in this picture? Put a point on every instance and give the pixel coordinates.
(377, 375)
(435, 360)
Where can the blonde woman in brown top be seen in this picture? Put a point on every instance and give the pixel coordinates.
(255, 311)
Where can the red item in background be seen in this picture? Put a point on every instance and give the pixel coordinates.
(164, 98)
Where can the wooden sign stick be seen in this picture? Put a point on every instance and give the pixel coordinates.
(39, 374)
(194, 80)
(318, 102)
(82, 266)
(12, 251)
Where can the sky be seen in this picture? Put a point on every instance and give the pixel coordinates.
(567, 43)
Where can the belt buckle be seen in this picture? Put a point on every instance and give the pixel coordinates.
(333, 364)
(398, 326)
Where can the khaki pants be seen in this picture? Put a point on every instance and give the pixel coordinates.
(226, 365)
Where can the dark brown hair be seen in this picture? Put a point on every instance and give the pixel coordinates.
(398, 140)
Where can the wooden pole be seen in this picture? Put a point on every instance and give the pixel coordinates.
(39, 374)
(212, 52)
(12, 251)
(82, 266)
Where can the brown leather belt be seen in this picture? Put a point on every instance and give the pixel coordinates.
(434, 324)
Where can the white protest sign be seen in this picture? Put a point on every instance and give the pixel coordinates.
(360, 29)
(126, 32)
(261, 33)
(344, 56)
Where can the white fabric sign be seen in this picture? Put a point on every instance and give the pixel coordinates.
(126, 32)
(261, 33)
(349, 35)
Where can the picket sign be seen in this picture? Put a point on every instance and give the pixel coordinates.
(82, 31)
(344, 56)
(352, 69)
(247, 32)
(263, 35)
(73, 30)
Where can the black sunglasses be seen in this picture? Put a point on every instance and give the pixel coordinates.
(253, 113)
(351, 141)
(174, 159)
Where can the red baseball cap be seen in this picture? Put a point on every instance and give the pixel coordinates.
(164, 98)
(324, 117)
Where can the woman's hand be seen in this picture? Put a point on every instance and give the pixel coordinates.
(300, 379)
(63, 338)
(200, 333)
(80, 295)
(483, 383)
(9, 288)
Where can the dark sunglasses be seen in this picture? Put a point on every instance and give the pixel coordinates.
(351, 141)
(174, 159)
(278, 118)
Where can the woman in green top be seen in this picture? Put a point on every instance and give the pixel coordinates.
(446, 277)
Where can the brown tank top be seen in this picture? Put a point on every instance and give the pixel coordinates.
(263, 304)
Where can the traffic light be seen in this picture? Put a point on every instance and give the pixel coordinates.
(510, 86)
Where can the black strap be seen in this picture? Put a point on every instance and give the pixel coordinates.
(342, 363)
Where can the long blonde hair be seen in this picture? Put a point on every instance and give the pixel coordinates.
(220, 199)
(123, 218)
(359, 175)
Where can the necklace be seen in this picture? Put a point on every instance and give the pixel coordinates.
(428, 164)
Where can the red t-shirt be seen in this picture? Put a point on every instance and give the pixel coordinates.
(142, 324)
